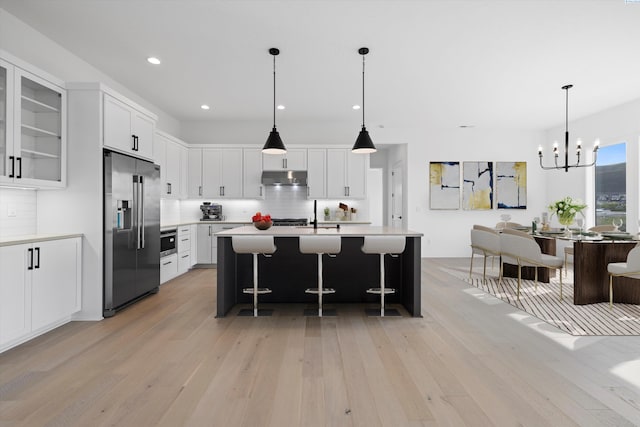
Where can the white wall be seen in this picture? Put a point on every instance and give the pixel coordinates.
(17, 212)
(446, 232)
(33, 47)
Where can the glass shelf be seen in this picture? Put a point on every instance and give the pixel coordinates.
(36, 106)
(34, 131)
(38, 154)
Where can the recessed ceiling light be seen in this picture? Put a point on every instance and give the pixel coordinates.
(205, 107)
(153, 60)
(280, 107)
(356, 107)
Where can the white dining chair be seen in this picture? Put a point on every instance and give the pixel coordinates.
(521, 249)
(631, 269)
(486, 242)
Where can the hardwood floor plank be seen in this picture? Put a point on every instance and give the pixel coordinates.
(470, 360)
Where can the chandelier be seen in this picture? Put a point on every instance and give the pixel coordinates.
(566, 145)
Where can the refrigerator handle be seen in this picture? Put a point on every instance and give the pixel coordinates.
(136, 209)
(141, 208)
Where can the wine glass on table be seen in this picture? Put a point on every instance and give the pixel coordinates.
(580, 224)
(617, 223)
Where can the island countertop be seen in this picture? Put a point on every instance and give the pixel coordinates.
(292, 231)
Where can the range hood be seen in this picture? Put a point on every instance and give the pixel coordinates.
(284, 178)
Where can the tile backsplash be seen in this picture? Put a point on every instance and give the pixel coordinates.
(18, 210)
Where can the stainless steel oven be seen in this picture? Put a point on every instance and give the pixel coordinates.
(168, 242)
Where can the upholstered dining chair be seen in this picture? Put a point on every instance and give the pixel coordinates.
(521, 249)
(568, 250)
(485, 241)
(631, 269)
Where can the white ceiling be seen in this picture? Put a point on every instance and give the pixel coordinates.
(492, 64)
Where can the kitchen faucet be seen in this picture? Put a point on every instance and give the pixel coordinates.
(315, 214)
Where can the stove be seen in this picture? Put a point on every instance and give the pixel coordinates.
(289, 221)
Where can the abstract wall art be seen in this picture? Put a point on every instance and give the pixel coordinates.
(477, 185)
(444, 185)
(511, 185)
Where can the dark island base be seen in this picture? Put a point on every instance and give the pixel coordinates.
(548, 246)
(288, 273)
(591, 279)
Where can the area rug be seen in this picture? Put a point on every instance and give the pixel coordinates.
(544, 303)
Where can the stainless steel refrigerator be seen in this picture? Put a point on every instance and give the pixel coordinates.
(131, 230)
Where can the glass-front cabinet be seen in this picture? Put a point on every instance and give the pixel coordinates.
(32, 129)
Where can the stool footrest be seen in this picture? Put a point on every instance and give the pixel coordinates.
(260, 291)
(378, 291)
(324, 291)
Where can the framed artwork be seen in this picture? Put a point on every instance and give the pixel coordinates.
(477, 185)
(444, 185)
(511, 185)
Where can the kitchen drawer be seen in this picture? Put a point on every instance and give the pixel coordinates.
(184, 243)
(168, 267)
(184, 261)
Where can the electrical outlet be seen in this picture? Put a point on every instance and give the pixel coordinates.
(12, 211)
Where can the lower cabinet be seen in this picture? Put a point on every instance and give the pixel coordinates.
(168, 267)
(40, 288)
(207, 242)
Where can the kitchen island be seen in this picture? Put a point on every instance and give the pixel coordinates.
(288, 272)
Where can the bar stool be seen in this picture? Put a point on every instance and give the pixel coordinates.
(320, 245)
(382, 245)
(254, 245)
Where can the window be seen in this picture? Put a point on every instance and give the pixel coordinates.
(610, 185)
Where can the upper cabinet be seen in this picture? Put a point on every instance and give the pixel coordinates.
(294, 159)
(215, 173)
(170, 154)
(316, 173)
(348, 174)
(128, 129)
(252, 173)
(32, 127)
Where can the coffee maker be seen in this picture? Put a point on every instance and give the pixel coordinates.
(211, 211)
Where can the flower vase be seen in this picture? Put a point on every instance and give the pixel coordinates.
(566, 221)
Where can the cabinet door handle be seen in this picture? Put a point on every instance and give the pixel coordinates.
(284, 163)
(348, 191)
(307, 191)
(261, 191)
(133, 141)
(168, 188)
(185, 240)
(209, 231)
(222, 190)
(200, 190)
(13, 166)
(185, 256)
(19, 160)
(30, 266)
(345, 191)
(167, 263)
(37, 250)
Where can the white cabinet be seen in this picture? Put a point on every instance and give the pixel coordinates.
(167, 153)
(127, 129)
(184, 167)
(184, 248)
(346, 174)
(215, 173)
(207, 242)
(317, 173)
(15, 294)
(252, 173)
(294, 159)
(194, 244)
(40, 288)
(33, 125)
(168, 267)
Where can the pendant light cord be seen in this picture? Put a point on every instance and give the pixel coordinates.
(363, 91)
(274, 91)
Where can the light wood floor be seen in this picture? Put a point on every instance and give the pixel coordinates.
(471, 360)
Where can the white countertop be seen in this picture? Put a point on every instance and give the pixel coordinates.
(227, 222)
(351, 231)
(33, 238)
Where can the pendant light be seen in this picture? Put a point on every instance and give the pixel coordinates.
(566, 165)
(274, 144)
(363, 144)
